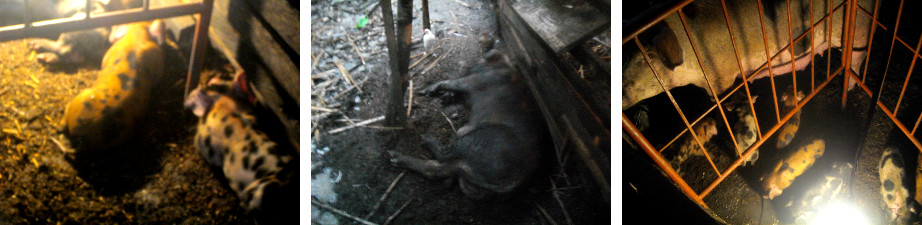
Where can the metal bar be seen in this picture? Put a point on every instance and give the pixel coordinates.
(686, 130)
(146, 5)
(655, 20)
(708, 81)
(899, 125)
(426, 14)
(771, 75)
(916, 126)
(875, 12)
(641, 141)
(672, 99)
(812, 51)
(829, 39)
(758, 143)
(908, 75)
(785, 48)
(89, 8)
(860, 84)
(739, 63)
(199, 44)
(864, 73)
(26, 16)
(793, 58)
(583, 152)
(893, 41)
(847, 47)
(52, 27)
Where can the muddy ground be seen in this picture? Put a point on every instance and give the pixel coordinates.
(348, 171)
(156, 177)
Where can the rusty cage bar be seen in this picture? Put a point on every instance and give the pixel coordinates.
(91, 20)
(852, 10)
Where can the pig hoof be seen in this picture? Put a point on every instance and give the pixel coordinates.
(47, 58)
(431, 91)
(393, 157)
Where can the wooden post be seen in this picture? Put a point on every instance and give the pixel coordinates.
(426, 15)
(399, 58)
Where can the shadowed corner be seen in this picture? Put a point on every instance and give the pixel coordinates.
(119, 170)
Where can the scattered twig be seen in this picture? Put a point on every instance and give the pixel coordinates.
(410, 104)
(318, 58)
(463, 4)
(424, 57)
(557, 197)
(318, 108)
(389, 218)
(596, 39)
(61, 146)
(337, 130)
(449, 122)
(386, 193)
(345, 74)
(340, 212)
(384, 128)
(546, 215)
(455, 21)
(343, 93)
(433, 63)
(565, 188)
(321, 88)
(417, 55)
(357, 51)
(3, 91)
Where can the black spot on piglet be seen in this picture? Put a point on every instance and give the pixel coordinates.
(228, 131)
(126, 80)
(889, 197)
(259, 162)
(888, 185)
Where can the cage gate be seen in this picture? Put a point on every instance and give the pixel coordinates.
(203, 8)
(850, 8)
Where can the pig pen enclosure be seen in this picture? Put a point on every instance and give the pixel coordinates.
(857, 124)
(349, 172)
(158, 175)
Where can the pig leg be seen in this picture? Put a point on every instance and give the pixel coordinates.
(440, 152)
(431, 169)
(48, 50)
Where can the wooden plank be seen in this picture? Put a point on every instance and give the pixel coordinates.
(542, 71)
(280, 18)
(272, 71)
(237, 28)
(559, 26)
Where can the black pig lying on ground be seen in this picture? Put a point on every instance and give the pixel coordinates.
(501, 145)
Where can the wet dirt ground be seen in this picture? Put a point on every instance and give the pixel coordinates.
(156, 177)
(348, 171)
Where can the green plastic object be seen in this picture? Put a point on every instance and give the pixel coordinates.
(362, 22)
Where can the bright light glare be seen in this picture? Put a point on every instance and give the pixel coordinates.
(840, 213)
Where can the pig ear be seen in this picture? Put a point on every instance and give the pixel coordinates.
(754, 97)
(157, 31)
(667, 45)
(197, 102)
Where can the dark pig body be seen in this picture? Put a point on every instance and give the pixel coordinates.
(500, 146)
(672, 57)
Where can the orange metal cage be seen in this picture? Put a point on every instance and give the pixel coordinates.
(93, 20)
(851, 12)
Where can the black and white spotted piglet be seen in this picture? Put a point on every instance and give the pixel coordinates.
(892, 188)
(261, 172)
